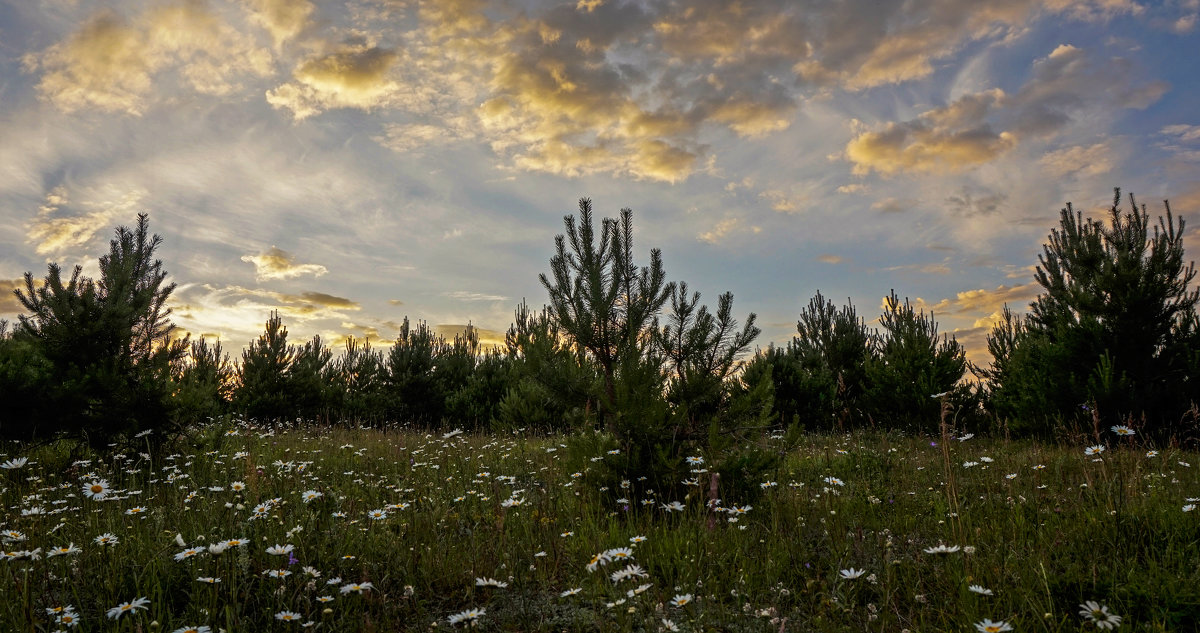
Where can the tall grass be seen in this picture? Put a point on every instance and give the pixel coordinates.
(1042, 528)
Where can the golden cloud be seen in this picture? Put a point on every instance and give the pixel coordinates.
(9, 304)
(55, 233)
(283, 19)
(1091, 160)
(354, 76)
(829, 259)
(112, 64)
(279, 264)
(916, 146)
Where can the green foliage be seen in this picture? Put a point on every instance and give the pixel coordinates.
(600, 299)
(108, 343)
(413, 391)
(204, 384)
(913, 369)
(1113, 337)
(360, 374)
(25, 380)
(263, 390)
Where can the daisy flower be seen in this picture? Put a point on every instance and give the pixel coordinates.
(96, 489)
(637, 539)
(1121, 429)
(852, 573)
(620, 553)
(490, 582)
(1189, 507)
(377, 515)
(208, 580)
(107, 539)
(834, 481)
(137, 510)
(470, 616)
(695, 461)
(674, 506)
(237, 486)
(127, 607)
(61, 551)
(1094, 450)
(980, 589)
(188, 553)
(987, 626)
(324, 599)
(681, 599)
(15, 462)
(311, 495)
(571, 592)
(942, 549)
(280, 550)
(357, 587)
(1098, 614)
(1151, 453)
(287, 616)
(193, 629)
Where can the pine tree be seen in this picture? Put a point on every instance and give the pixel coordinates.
(1112, 337)
(109, 341)
(602, 301)
(263, 393)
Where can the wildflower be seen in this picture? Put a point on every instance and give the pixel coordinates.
(1189, 507)
(107, 539)
(489, 582)
(193, 629)
(632, 571)
(189, 552)
(571, 592)
(12, 536)
(208, 580)
(357, 587)
(980, 589)
(566, 534)
(1151, 453)
(674, 506)
(65, 616)
(508, 503)
(127, 607)
(16, 462)
(739, 510)
(237, 486)
(669, 625)
(681, 599)
(1094, 450)
(987, 626)
(767, 484)
(834, 481)
(324, 599)
(969, 464)
(1098, 614)
(620, 553)
(597, 561)
(695, 461)
(137, 510)
(280, 550)
(1123, 430)
(277, 573)
(311, 495)
(235, 542)
(469, 616)
(96, 489)
(377, 515)
(287, 616)
(60, 551)
(942, 549)
(637, 539)
(852, 573)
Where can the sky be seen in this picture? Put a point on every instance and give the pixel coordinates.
(350, 163)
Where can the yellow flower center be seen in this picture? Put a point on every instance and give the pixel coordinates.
(97, 488)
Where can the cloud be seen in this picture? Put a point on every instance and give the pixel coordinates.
(947, 139)
(60, 227)
(284, 19)
(464, 295)
(279, 264)
(9, 304)
(970, 204)
(830, 259)
(892, 205)
(725, 228)
(237, 313)
(979, 128)
(113, 64)
(353, 76)
(1091, 160)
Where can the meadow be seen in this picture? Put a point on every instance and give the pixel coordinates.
(242, 527)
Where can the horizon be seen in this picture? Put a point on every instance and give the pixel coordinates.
(357, 162)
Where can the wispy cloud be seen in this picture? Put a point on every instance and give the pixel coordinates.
(276, 263)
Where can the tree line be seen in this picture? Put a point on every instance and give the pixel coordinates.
(1113, 338)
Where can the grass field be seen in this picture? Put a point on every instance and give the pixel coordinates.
(255, 529)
